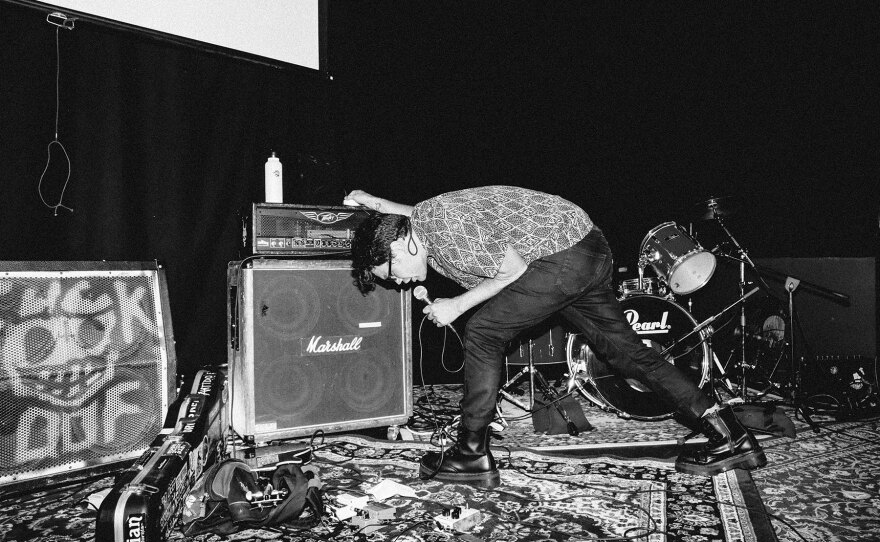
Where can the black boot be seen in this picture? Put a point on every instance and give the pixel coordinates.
(469, 460)
(730, 446)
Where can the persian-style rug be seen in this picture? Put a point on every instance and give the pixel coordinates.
(541, 497)
(826, 484)
(612, 427)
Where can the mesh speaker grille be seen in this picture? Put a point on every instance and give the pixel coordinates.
(303, 387)
(83, 363)
(281, 226)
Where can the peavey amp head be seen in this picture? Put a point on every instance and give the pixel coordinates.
(307, 351)
(296, 230)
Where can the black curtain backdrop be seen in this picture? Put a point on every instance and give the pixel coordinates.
(635, 112)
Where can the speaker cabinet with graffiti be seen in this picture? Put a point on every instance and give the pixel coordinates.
(86, 369)
(308, 352)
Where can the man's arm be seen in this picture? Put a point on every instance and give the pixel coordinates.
(445, 311)
(381, 205)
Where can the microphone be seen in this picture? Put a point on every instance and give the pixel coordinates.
(421, 293)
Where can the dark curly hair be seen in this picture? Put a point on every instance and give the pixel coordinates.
(371, 246)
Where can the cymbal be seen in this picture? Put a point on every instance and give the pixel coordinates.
(714, 207)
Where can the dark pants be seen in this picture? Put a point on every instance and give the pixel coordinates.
(575, 282)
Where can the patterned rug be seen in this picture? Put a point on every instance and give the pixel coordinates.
(438, 404)
(825, 484)
(540, 498)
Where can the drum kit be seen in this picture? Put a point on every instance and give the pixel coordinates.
(650, 306)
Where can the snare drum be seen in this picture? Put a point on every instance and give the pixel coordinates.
(649, 286)
(659, 323)
(677, 258)
(544, 345)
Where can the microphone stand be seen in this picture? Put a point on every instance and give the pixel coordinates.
(791, 285)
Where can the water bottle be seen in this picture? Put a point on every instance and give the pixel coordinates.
(274, 186)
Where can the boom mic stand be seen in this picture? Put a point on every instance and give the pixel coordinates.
(791, 285)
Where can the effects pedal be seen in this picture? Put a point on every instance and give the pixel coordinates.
(459, 519)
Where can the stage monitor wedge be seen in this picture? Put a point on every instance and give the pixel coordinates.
(308, 352)
(87, 365)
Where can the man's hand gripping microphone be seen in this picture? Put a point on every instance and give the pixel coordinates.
(421, 293)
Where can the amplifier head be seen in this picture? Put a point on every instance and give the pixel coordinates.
(280, 229)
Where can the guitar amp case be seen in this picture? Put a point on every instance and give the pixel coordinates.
(309, 352)
(87, 366)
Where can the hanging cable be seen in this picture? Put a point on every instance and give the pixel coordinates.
(59, 20)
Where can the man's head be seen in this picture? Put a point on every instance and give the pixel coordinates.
(384, 247)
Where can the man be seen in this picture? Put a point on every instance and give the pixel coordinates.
(525, 255)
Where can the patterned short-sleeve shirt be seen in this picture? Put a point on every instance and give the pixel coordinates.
(467, 232)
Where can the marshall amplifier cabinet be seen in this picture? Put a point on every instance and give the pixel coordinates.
(146, 498)
(308, 352)
(303, 230)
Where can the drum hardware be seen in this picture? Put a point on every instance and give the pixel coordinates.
(715, 208)
(722, 376)
(647, 285)
(704, 328)
(643, 284)
(766, 348)
(706, 332)
(538, 381)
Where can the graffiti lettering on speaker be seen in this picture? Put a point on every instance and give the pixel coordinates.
(331, 345)
(72, 353)
(43, 431)
(62, 339)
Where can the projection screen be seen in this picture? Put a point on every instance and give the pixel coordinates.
(287, 32)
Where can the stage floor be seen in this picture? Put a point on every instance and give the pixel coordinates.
(614, 482)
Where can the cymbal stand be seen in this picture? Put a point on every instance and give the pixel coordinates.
(791, 285)
(743, 259)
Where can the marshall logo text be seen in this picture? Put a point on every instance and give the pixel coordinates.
(318, 344)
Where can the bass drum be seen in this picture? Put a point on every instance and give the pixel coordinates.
(660, 323)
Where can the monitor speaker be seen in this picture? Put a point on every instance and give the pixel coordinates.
(87, 365)
(308, 352)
